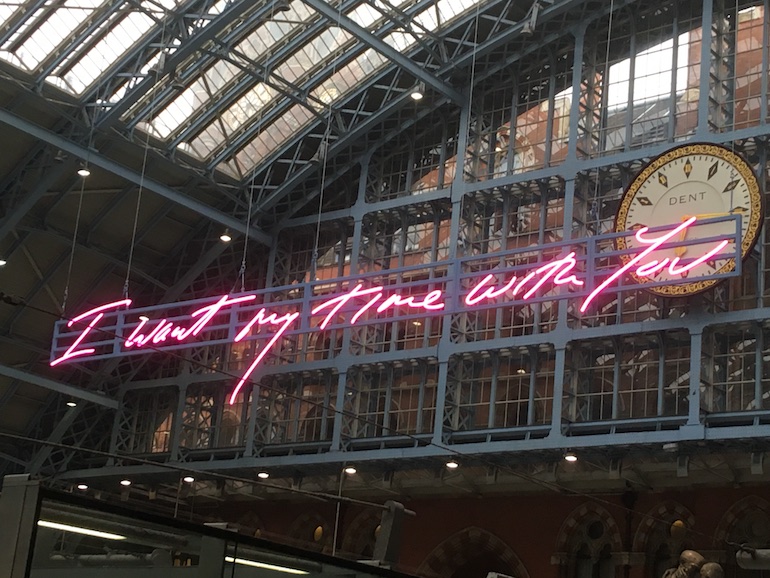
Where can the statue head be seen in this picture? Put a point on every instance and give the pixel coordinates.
(690, 562)
(712, 570)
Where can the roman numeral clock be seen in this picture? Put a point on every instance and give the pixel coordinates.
(700, 180)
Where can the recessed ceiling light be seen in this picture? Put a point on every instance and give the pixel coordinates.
(350, 470)
(263, 475)
(125, 483)
(188, 479)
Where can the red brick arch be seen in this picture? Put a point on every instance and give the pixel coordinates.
(465, 545)
(664, 513)
(360, 532)
(738, 510)
(580, 515)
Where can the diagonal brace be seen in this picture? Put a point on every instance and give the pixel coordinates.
(378, 44)
(132, 176)
(62, 388)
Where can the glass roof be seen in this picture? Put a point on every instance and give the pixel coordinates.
(244, 94)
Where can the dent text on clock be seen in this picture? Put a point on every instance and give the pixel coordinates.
(689, 198)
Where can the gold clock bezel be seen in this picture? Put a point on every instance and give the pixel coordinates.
(747, 242)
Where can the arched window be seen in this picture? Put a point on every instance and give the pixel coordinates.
(586, 543)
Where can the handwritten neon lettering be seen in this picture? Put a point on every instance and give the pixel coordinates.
(341, 300)
(652, 267)
(557, 270)
(359, 300)
(98, 313)
(135, 333)
(674, 270)
(260, 319)
(168, 329)
(433, 301)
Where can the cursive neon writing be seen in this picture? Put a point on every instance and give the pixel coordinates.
(357, 301)
(260, 319)
(433, 301)
(98, 313)
(654, 266)
(557, 269)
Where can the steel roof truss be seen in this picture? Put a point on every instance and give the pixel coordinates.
(132, 176)
(163, 95)
(311, 83)
(77, 40)
(186, 50)
(58, 387)
(385, 49)
(206, 115)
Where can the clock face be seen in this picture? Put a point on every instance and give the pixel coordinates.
(704, 181)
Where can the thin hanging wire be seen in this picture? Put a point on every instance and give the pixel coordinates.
(72, 249)
(242, 271)
(337, 513)
(144, 166)
(323, 151)
(65, 297)
(605, 78)
(473, 62)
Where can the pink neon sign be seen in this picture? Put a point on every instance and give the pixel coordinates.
(150, 334)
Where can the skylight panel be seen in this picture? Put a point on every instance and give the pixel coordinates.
(248, 106)
(364, 15)
(348, 76)
(6, 11)
(273, 136)
(209, 140)
(312, 54)
(449, 9)
(177, 113)
(265, 37)
(59, 25)
(122, 36)
(401, 41)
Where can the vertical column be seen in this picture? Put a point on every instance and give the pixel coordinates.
(251, 425)
(696, 352)
(445, 345)
(577, 114)
(270, 275)
(176, 426)
(339, 416)
(705, 68)
(759, 364)
(763, 117)
(18, 513)
(560, 366)
(441, 393)
(116, 427)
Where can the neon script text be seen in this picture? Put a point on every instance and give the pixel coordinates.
(353, 304)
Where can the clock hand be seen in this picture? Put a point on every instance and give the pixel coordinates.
(712, 215)
(679, 251)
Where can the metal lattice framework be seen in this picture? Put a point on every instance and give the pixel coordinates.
(292, 124)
